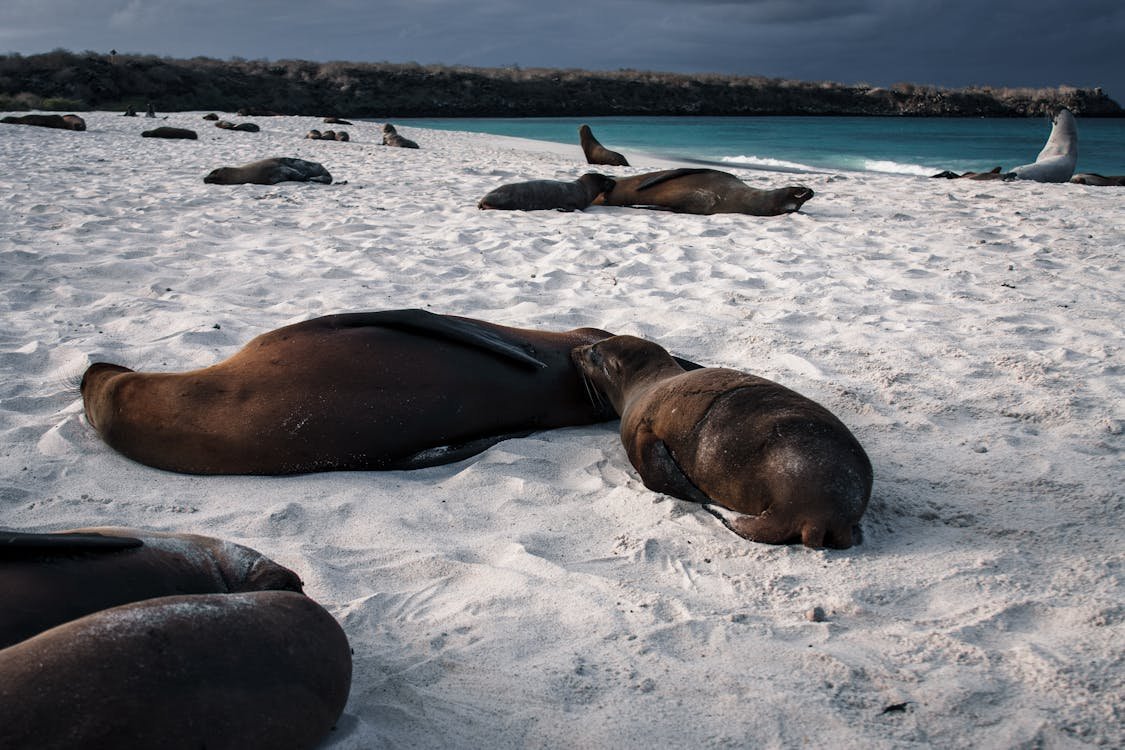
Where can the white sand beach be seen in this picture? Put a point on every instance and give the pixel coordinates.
(538, 595)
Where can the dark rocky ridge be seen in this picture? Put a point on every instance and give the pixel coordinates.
(70, 81)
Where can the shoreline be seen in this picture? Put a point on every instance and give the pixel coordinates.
(538, 595)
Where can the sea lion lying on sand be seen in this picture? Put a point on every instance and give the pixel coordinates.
(169, 132)
(540, 195)
(992, 174)
(702, 191)
(60, 122)
(271, 172)
(1091, 178)
(392, 138)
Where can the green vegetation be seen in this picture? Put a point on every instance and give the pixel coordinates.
(72, 81)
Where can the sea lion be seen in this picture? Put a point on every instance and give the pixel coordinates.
(335, 121)
(314, 135)
(740, 441)
(60, 122)
(1092, 178)
(392, 138)
(263, 669)
(130, 111)
(168, 132)
(328, 135)
(49, 579)
(396, 389)
(271, 172)
(342, 135)
(692, 190)
(210, 116)
(1059, 156)
(246, 127)
(539, 195)
(595, 152)
(993, 174)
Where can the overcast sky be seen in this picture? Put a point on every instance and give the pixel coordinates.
(880, 42)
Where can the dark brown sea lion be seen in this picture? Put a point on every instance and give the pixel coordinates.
(335, 121)
(392, 138)
(60, 122)
(342, 135)
(314, 135)
(246, 127)
(396, 389)
(721, 436)
(258, 670)
(328, 135)
(702, 191)
(271, 172)
(169, 132)
(1092, 178)
(210, 116)
(49, 579)
(255, 112)
(540, 195)
(595, 152)
(993, 174)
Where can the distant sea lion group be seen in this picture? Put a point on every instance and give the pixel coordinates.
(126, 638)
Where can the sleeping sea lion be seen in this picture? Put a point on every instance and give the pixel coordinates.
(165, 131)
(60, 122)
(539, 195)
(745, 443)
(692, 190)
(271, 172)
(595, 152)
(1092, 178)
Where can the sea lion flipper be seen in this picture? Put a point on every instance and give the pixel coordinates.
(19, 543)
(663, 474)
(441, 326)
(448, 454)
(671, 174)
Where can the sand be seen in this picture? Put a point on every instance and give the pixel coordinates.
(538, 595)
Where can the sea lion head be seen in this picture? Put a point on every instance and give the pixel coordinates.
(220, 176)
(795, 197)
(596, 184)
(615, 364)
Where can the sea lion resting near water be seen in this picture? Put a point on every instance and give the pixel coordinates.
(100, 646)
(1091, 178)
(61, 122)
(169, 132)
(702, 191)
(540, 195)
(392, 138)
(595, 152)
(271, 172)
(721, 436)
(1059, 156)
(992, 174)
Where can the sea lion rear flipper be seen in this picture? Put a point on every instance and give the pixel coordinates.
(21, 543)
(662, 473)
(671, 174)
(441, 326)
(448, 454)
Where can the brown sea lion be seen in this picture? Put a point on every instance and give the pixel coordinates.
(342, 135)
(60, 122)
(692, 190)
(51, 578)
(396, 389)
(745, 443)
(257, 670)
(246, 127)
(595, 152)
(335, 121)
(314, 135)
(392, 138)
(993, 174)
(210, 116)
(271, 172)
(328, 135)
(1092, 178)
(539, 195)
(169, 132)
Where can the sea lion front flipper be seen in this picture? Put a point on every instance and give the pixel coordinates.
(441, 326)
(671, 174)
(448, 454)
(661, 473)
(21, 543)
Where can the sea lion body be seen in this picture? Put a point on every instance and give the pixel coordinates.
(271, 172)
(262, 669)
(1057, 160)
(702, 191)
(540, 195)
(721, 436)
(380, 390)
(60, 122)
(314, 135)
(391, 137)
(50, 579)
(595, 152)
(246, 127)
(1091, 178)
(170, 132)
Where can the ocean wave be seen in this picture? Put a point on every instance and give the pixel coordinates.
(894, 167)
(767, 163)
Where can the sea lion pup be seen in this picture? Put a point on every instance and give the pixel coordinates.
(702, 191)
(255, 670)
(1059, 156)
(540, 195)
(210, 116)
(743, 442)
(271, 172)
(595, 152)
(169, 132)
(328, 135)
(342, 135)
(394, 389)
(1092, 178)
(392, 138)
(59, 122)
(314, 135)
(52, 578)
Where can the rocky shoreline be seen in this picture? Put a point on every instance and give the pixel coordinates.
(64, 80)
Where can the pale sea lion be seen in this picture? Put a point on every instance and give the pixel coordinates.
(271, 172)
(1091, 178)
(1059, 156)
(702, 191)
(169, 132)
(257, 670)
(539, 195)
(396, 389)
(595, 152)
(745, 443)
(60, 122)
(392, 138)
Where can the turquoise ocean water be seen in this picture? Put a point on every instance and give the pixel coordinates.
(917, 146)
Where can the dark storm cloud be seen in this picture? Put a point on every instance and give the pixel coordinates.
(943, 42)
